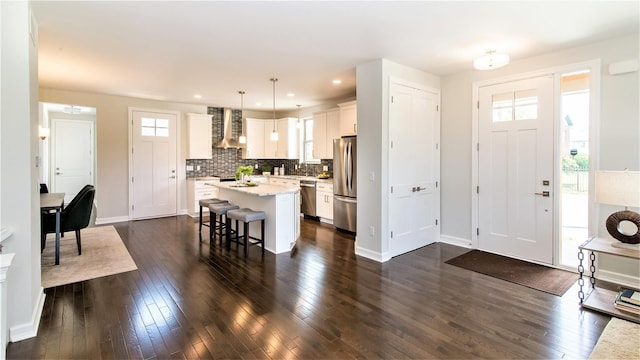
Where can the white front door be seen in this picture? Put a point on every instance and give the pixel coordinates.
(413, 168)
(72, 156)
(515, 172)
(154, 159)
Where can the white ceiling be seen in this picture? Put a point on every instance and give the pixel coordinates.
(172, 50)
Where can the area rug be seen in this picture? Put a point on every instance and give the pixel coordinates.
(619, 340)
(539, 277)
(103, 254)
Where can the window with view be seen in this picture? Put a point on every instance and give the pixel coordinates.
(307, 137)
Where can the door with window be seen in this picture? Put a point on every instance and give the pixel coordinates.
(72, 156)
(515, 172)
(153, 164)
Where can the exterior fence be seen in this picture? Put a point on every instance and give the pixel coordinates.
(576, 180)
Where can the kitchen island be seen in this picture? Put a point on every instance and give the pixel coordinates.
(281, 205)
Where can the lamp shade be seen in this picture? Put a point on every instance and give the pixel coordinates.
(620, 188)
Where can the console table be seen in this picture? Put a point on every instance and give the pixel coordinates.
(600, 299)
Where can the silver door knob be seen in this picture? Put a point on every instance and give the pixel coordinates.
(544, 193)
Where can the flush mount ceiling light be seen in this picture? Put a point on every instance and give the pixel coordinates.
(274, 133)
(337, 81)
(72, 110)
(491, 60)
(242, 139)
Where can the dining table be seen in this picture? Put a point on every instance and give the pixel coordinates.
(53, 202)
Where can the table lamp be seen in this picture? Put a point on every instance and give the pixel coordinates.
(620, 188)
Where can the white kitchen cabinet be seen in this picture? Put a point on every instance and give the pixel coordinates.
(260, 145)
(198, 190)
(348, 118)
(324, 201)
(255, 139)
(326, 127)
(270, 146)
(287, 147)
(199, 135)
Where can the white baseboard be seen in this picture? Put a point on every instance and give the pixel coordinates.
(452, 240)
(375, 256)
(111, 220)
(618, 278)
(29, 330)
(326, 221)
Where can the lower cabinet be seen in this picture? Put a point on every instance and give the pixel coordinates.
(196, 191)
(324, 201)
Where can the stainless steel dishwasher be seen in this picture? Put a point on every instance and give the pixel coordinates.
(308, 193)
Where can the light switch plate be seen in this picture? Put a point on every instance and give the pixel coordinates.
(189, 167)
(325, 168)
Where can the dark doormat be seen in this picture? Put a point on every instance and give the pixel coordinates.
(539, 277)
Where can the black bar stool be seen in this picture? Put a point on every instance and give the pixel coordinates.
(218, 214)
(247, 216)
(205, 203)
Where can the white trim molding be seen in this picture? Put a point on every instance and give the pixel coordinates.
(452, 240)
(111, 220)
(29, 330)
(618, 278)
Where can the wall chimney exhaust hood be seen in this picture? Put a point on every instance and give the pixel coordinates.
(227, 141)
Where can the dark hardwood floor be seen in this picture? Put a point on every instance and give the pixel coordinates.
(190, 301)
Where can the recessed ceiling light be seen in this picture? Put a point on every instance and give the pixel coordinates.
(197, 96)
(291, 94)
(258, 104)
(337, 81)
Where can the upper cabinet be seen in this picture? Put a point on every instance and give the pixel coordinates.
(348, 118)
(260, 145)
(199, 135)
(255, 139)
(287, 138)
(326, 127)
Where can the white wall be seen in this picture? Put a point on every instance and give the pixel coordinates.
(19, 175)
(373, 152)
(619, 141)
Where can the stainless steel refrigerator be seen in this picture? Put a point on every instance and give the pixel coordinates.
(345, 183)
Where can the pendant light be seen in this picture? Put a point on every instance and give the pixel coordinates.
(242, 139)
(274, 133)
(299, 124)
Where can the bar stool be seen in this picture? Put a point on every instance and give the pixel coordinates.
(218, 213)
(246, 216)
(205, 203)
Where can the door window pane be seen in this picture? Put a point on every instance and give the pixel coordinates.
(502, 107)
(154, 127)
(526, 105)
(519, 105)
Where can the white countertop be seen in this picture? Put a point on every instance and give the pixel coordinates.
(204, 178)
(302, 177)
(258, 190)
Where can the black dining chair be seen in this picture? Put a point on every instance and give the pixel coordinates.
(44, 189)
(74, 217)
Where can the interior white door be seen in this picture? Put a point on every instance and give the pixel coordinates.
(413, 162)
(154, 159)
(72, 156)
(515, 176)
